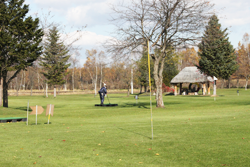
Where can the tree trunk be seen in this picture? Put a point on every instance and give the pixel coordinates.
(140, 88)
(73, 83)
(238, 81)
(101, 78)
(95, 80)
(5, 91)
(128, 91)
(21, 83)
(65, 85)
(24, 80)
(54, 91)
(46, 90)
(229, 83)
(1, 91)
(158, 81)
(31, 87)
(81, 79)
(16, 87)
(246, 83)
(95, 87)
(222, 84)
(38, 80)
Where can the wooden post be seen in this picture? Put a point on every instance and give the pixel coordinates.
(208, 88)
(204, 88)
(54, 91)
(175, 89)
(180, 87)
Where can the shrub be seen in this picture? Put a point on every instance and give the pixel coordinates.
(167, 89)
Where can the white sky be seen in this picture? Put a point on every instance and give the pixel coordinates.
(233, 14)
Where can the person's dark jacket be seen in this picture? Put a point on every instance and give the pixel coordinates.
(103, 90)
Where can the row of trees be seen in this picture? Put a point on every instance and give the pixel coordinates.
(116, 74)
(169, 25)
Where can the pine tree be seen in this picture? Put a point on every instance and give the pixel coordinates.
(20, 39)
(143, 71)
(170, 69)
(55, 58)
(217, 54)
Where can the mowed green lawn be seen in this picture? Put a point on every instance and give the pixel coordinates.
(189, 131)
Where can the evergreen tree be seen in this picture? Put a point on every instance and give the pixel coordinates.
(169, 70)
(20, 39)
(217, 56)
(55, 58)
(143, 70)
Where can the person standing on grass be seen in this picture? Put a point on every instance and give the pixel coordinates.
(102, 92)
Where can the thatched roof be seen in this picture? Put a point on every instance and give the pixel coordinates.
(191, 75)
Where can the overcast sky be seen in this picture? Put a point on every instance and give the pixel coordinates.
(233, 14)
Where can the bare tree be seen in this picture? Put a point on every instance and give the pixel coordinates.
(165, 23)
(91, 66)
(74, 60)
(102, 62)
(246, 44)
(243, 62)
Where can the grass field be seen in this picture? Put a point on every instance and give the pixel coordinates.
(190, 131)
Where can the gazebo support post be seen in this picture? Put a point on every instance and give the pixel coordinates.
(180, 88)
(175, 89)
(208, 88)
(203, 89)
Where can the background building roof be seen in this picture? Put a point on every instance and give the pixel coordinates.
(191, 75)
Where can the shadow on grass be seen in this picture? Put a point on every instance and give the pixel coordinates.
(22, 108)
(169, 94)
(145, 105)
(198, 96)
(139, 105)
(136, 133)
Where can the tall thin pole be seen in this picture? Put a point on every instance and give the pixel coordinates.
(132, 84)
(132, 87)
(27, 114)
(36, 114)
(49, 112)
(149, 80)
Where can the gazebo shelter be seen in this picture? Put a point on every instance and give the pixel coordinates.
(192, 75)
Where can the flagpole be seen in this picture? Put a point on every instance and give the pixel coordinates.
(149, 80)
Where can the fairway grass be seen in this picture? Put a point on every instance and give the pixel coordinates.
(190, 131)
